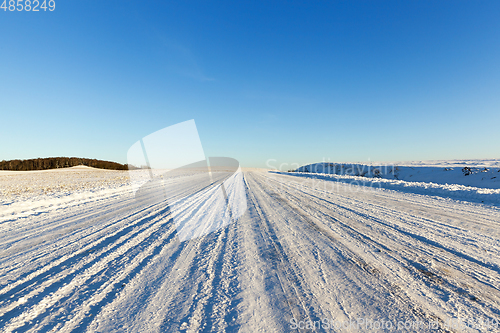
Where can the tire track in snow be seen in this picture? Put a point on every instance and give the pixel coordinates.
(432, 253)
(417, 270)
(286, 277)
(101, 247)
(102, 226)
(197, 272)
(57, 227)
(215, 289)
(417, 309)
(39, 300)
(131, 221)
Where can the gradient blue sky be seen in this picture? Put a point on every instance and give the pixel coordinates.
(297, 82)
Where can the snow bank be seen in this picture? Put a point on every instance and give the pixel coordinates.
(474, 173)
(471, 180)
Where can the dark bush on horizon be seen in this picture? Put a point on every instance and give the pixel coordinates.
(58, 162)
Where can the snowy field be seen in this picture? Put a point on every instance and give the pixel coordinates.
(313, 252)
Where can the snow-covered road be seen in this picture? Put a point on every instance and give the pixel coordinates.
(308, 253)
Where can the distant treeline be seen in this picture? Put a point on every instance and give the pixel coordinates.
(58, 162)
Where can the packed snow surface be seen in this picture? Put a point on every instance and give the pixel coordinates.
(79, 252)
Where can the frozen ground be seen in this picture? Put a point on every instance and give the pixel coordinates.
(79, 253)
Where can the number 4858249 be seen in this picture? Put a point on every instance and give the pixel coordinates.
(28, 5)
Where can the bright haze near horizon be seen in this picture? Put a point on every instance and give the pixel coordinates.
(267, 82)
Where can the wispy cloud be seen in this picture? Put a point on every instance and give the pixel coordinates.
(270, 95)
(188, 65)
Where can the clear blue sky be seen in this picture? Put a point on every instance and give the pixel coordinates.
(284, 80)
